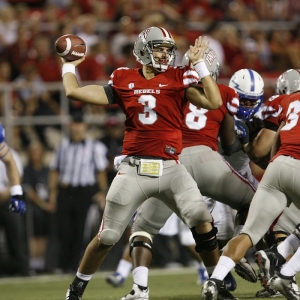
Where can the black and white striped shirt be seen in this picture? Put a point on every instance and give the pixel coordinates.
(78, 162)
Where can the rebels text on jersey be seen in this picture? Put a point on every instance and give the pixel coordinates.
(201, 126)
(289, 133)
(153, 109)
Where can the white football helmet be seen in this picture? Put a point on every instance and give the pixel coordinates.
(149, 39)
(288, 82)
(249, 85)
(210, 59)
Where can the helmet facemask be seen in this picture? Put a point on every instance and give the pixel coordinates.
(247, 112)
(170, 55)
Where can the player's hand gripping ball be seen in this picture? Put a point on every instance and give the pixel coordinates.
(71, 47)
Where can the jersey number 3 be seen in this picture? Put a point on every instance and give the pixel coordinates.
(293, 115)
(149, 116)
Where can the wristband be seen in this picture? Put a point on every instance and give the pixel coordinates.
(197, 61)
(201, 69)
(68, 68)
(16, 190)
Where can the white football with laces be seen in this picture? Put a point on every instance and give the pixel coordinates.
(70, 46)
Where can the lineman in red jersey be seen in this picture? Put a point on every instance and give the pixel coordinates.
(259, 149)
(277, 189)
(153, 99)
(213, 175)
(259, 152)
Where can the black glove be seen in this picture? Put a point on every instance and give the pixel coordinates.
(254, 125)
(242, 131)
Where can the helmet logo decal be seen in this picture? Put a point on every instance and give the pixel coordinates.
(144, 34)
(210, 57)
(252, 80)
(236, 85)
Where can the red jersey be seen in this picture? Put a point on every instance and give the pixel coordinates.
(201, 126)
(153, 109)
(270, 111)
(289, 134)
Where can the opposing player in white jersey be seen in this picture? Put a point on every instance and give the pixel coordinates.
(278, 189)
(214, 176)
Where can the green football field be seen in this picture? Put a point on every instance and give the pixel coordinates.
(164, 284)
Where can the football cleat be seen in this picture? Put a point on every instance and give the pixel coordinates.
(267, 293)
(73, 293)
(230, 283)
(244, 270)
(286, 286)
(210, 289)
(115, 279)
(137, 293)
(202, 276)
(269, 263)
(263, 263)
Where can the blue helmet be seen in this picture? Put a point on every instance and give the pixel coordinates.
(249, 86)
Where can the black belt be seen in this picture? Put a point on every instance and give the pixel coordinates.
(145, 157)
(135, 160)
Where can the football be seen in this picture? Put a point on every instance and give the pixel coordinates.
(70, 46)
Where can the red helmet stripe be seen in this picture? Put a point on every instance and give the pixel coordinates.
(165, 32)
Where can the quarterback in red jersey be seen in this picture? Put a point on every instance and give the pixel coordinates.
(277, 189)
(213, 175)
(153, 99)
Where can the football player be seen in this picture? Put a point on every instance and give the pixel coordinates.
(214, 176)
(153, 99)
(259, 151)
(277, 190)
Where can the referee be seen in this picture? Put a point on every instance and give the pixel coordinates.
(77, 178)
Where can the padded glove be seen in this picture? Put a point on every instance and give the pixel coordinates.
(242, 131)
(17, 204)
(254, 125)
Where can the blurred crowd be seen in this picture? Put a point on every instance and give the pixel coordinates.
(258, 34)
(29, 28)
(263, 35)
